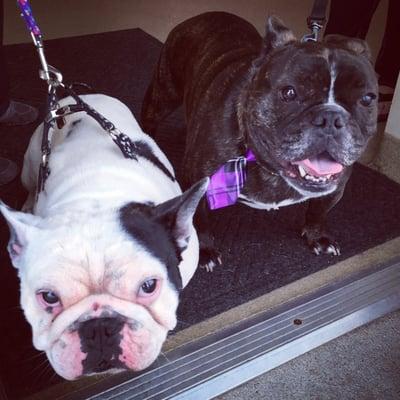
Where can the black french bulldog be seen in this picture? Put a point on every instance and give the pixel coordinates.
(305, 109)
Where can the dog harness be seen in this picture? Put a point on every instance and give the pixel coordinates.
(56, 114)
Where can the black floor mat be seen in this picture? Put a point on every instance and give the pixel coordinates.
(262, 250)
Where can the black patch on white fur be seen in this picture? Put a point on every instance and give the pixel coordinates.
(136, 219)
(142, 149)
(73, 125)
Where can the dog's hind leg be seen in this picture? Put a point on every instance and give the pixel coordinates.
(162, 96)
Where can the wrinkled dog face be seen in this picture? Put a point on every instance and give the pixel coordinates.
(96, 303)
(97, 295)
(313, 107)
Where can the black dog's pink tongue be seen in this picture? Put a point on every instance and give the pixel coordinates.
(320, 165)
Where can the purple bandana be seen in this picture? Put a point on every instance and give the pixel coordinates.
(226, 184)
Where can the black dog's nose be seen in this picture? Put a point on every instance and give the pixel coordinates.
(329, 119)
(100, 339)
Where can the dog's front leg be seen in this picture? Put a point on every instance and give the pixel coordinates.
(210, 257)
(314, 231)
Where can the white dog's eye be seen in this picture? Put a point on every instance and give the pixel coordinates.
(148, 287)
(48, 298)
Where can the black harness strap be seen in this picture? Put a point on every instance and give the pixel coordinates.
(128, 147)
(48, 124)
(318, 13)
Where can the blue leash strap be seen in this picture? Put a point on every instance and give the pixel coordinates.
(47, 73)
(26, 13)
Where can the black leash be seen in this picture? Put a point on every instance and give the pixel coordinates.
(316, 20)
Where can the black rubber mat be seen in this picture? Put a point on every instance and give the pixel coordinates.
(262, 250)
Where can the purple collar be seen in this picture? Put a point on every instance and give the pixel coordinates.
(227, 182)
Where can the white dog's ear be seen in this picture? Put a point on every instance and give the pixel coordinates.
(22, 227)
(177, 214)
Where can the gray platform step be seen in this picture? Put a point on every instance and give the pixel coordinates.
(229, 358)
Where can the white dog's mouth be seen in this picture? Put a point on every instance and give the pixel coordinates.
(105, 345)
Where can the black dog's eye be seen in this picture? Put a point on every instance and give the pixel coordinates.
(367, 99)
(288, 93)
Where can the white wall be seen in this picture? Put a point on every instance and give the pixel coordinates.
(60, 18)
(75, 17)
(393, 124)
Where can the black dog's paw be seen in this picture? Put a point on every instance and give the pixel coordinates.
(325, 245)
(320, 242)
(209, 258)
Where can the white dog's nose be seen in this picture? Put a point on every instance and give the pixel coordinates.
(100, 339)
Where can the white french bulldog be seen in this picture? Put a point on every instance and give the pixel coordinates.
(107, 247)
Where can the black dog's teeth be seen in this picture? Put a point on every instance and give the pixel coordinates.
(308, 177)
(302, 171)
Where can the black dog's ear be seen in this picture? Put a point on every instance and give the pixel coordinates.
(177, 214)
(276, 34)
(165, 229)
(357, 46)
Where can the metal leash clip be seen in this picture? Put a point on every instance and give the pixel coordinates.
(313, 36)
(52, 75)
(47, 73)
(316, 20)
